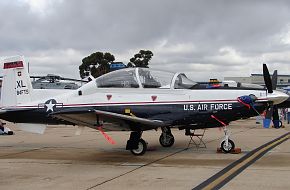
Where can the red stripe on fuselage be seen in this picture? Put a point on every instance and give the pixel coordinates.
(133, 103)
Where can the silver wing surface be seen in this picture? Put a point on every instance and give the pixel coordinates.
(107, 120)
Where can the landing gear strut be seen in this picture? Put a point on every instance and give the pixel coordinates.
(227, 144)
(166, 138)
(136, 144)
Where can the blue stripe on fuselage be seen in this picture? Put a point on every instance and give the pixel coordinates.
(175, 114)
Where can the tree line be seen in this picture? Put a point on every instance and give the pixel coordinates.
(98, 63)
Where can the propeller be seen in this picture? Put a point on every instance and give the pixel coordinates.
(275, 107)
(271, 85)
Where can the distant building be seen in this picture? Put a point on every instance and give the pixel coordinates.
(282, 80)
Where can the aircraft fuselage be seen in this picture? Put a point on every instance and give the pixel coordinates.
(192, 108)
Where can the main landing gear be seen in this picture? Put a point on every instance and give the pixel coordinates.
(227, 145)
(136, 144)
(166, 138)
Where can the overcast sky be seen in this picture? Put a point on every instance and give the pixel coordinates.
(209, 39)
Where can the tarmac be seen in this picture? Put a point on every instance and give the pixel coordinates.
(59, 159)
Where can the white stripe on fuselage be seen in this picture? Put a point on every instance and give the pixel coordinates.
(214, 102)
(98, 97)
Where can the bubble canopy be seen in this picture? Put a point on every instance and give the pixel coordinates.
(144, 78)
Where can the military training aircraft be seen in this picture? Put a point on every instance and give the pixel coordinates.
(132, 99)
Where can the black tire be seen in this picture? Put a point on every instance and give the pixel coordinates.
(230, 147)
(142, 147)
(280, 124)
(168, 141)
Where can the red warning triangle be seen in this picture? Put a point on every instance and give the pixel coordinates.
(109, 96)
(154, 98)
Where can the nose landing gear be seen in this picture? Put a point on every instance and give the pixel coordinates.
(227, 145)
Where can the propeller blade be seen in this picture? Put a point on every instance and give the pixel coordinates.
(272, 112)
(268, 116)
(267, 78)
(275, 113)
(276, 119)
(269, 112)
(274, 80)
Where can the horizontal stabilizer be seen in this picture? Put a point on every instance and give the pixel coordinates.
(79, 130)
(32, 128)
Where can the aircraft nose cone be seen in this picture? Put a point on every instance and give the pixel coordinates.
(278, 97)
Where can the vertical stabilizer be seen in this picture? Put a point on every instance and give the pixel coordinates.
(16, 84)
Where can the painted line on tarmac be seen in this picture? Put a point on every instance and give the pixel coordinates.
(152, 162)
(40, 148)
(137, 168)
(228, 173)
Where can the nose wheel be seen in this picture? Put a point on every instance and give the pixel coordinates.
(166, 138)
(227, 147)
(227, 144)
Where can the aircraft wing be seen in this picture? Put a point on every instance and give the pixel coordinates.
(108, 120)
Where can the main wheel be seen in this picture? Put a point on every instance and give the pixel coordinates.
(229, 148)
(166, 140)
(142, 147)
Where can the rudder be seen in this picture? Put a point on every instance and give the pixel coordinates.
(16, 84)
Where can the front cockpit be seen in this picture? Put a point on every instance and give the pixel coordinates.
(125, 78)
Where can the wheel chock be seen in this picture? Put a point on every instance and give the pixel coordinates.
(235, 151)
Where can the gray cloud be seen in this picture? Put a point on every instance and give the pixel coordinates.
(223, 37)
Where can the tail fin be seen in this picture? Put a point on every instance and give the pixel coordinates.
(16, 84)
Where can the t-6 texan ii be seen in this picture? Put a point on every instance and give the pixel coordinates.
(132, 99)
